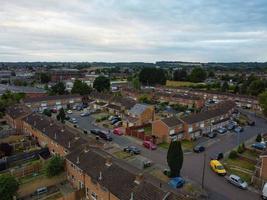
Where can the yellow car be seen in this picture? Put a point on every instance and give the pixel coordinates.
(217, 167)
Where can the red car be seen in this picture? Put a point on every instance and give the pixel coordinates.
(149, 145)
(117, 131)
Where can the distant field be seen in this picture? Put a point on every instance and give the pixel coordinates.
(181, 84)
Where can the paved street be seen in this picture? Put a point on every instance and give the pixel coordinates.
(217, 186)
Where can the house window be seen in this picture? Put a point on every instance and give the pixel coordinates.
(94, 196)
(172, 132)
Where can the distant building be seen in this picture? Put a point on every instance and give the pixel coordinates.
(29, 91)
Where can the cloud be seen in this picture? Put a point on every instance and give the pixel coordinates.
(133, 30)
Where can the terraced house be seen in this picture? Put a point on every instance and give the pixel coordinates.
(101, 177)
(49, 133)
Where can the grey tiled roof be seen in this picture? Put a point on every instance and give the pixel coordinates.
(138, 109)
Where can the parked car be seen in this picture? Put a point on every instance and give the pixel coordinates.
(212, 134)
(217, 167)
(230, 126)
(118, 124)
(259, 146)
(221, 130)
(113, 117)
(94, 131)
(237, 181)
(67, 117)
(251, 123)
(264, 191)
(132, 150)
(54, 110)
(149, 145)
(73, 120)
(177, 182)
(198, 149)
(69, 111)
(83, 114)
(238, 129)
(85, 131)
(217, 156)
(104, 135)
(117, 131)
(114, 121)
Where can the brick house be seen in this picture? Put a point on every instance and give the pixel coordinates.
(263, 166)
(49, 133)
(197, 124)
(14, 116)
(139, 114)
(58, 101)
(95, 172)
(167, 129)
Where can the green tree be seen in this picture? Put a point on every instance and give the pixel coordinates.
(145, 99)
(263, 102)
(81, 88)
(233, 154)
(259, 138)
(102, 84)
(180, 75)
(198, 75)
(61, 115)
(225, 87)
(136, 83)
(45, 78)
(54, 166)
(152, 76)
(175, 158)
(47, 112)
(256, 87)
(58, 89)
(8, 187)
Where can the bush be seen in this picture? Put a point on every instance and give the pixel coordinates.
(258, 138)
(241, 148)
(54, 166)
(233, 154)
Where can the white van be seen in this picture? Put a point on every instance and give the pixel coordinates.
(42, 190)
(264, 191)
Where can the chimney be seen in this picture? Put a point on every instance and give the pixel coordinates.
(132, 196)
(108, 161)
(139, 178)
(55, 136)
(86, 148)
(34, 123)
(78, 160)
(69, 144)
(100, 176)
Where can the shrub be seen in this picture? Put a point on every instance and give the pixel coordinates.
(233, 154)
(54, 166)
(240, 149)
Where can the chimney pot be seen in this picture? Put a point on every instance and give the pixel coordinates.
(139, 178)
(108, 161)
(78, 160)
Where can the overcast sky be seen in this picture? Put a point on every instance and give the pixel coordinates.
(133, 30)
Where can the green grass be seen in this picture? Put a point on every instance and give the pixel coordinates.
(164, 145)
(240, 163)
(251, 154)
(187, 145)
(122, 155)
(29, 178)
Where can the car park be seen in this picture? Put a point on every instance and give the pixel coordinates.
(149, 145)
(94, 131)
(259, 145)
(251, 123)
(221, 130)
(118, 124)
(237, 181)
(132, 150)
(176, 182)
(117, 131)
(104, 135)
(212, 134)
(114, 121)
(198, 149)
(69, 111)
(231, 126)
(238, 129)
(217, 167)
(84, 114)
(73, 120)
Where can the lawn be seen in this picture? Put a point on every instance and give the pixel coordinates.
(159, 174)
(122, 155)
(251, 154)
(164, 145)
(186, 145)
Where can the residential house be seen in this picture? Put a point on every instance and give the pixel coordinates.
(59, 139)
(139, 114)
(167, 129)
(93, 171)
(15, 114)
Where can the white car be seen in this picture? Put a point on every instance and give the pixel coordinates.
(237, 181)
(69, 112)
(264, 191)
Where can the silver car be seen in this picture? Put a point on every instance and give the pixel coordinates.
(237, 181)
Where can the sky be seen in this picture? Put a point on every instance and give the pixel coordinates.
(133, 30)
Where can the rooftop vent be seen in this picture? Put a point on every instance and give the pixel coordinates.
(108, 161)
(78, 160)
(139, 178)
(100, 176)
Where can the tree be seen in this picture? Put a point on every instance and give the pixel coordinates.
(236, 89)
(263, 102)
(47, 112)
(152, 76)
(198, 75)
(61, 115)
(6, 149)
(45, 78)
(145, 99)
(136, 83)
(81, 88)
(8, 187)
(175, 158)
(225, 87)
(233, 154)
(54, 166)
(58, 89)
(102, 84)
(259, 138)
(180, 75)
(256, 87)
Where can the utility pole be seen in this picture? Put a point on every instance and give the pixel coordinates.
(203, 172)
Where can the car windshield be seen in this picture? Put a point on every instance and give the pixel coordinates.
(240, 181)
(219, 167)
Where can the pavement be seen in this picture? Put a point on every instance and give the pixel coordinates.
(217, 187)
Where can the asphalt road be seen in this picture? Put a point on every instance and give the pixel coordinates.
(217, 186)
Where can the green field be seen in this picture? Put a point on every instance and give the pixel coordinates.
(182, 84)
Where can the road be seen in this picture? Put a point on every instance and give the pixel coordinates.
(217, 187)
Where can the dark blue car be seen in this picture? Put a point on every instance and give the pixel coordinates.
(260, 146)
(176, 182)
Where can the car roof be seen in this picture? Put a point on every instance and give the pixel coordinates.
(234, 176)
(216, 162)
